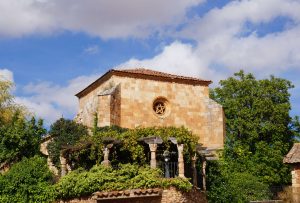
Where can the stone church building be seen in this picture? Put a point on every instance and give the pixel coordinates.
(143, 98)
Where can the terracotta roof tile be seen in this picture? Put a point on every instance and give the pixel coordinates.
(146, 74)
(293, 156)
(149, 72)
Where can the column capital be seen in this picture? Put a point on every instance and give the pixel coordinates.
(153, 147)
(180, 147)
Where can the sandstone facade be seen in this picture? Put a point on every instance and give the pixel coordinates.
(130, 98)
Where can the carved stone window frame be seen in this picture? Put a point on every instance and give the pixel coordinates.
(161, 107)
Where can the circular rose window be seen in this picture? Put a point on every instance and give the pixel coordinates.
(160, 106)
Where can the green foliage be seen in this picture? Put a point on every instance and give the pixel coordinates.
(27, 181)
(295, 125)
(20, 138)
(258, 125)
(259, 132)
(65, 133)
(99, 178)
(8, 108)
(235, 187)
(131, 150)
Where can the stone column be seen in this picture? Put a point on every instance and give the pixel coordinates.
(63, 165)
(180, 160)
(51, 166)
(153, 148)
(106, 161)
(204, 173)
(195, 178)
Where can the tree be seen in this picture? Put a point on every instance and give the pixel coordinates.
(20, 138)
(258, 124)
(8, 107)
(64, 133)
(259, 129)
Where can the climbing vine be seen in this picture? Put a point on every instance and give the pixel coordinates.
(130, 148)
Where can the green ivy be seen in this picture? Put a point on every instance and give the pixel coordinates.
(128, 176)
(131, 150)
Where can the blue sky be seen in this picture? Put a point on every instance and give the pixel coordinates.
(51, 49)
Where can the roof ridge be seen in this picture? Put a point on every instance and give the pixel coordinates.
(146, 71)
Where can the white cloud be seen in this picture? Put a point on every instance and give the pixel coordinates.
(221, 46)
(107, 19)
(178, 58)
(219, 35)
(93, 49)
(19, 17)
(6, 74)
(50, 101)
(229, 21)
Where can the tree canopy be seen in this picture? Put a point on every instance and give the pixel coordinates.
(19, 136)
(65, 133)
(8, 108)
(259, 128)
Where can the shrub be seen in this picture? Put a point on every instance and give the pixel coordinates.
(27, 181)
(65, 133)
(230, 186)
(128, 176)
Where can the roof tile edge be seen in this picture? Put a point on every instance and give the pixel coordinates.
(145, 74)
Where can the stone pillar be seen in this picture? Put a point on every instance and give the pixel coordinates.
(51, 166)
(153, 148)
(106, 161)
(63, 165)
(204, 173)
(180, 161)
(195, 178)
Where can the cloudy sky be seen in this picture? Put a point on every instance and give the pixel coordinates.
(51, 49)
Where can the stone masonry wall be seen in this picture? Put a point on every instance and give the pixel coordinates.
(187, 105)
(104, 110)
(168, 196)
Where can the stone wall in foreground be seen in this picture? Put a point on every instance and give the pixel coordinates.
(167, 196)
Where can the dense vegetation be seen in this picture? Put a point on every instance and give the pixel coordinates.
(86, 151)
(259, 132)
(65, 133)
(19, 137)
(27, 181)
(99, 178)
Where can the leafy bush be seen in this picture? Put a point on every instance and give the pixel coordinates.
(228, 186)
(20, 138)
(65, 133)
(27, 181)
(99, 178)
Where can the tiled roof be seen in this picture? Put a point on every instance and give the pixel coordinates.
(144, 74)
(293, 156)
(149, 72)
(127, 194)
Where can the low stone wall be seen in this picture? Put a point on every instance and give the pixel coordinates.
(167, 196)
(267, 201)
(79, 200)
(174, 196)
